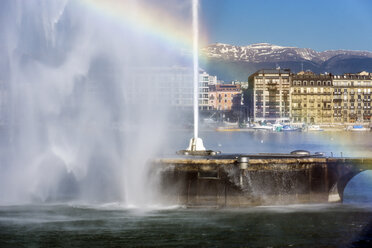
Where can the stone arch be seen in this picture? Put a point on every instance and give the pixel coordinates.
(336, 192)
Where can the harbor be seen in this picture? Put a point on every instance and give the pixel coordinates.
(300, 127)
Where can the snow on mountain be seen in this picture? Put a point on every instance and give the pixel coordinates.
(265, 52)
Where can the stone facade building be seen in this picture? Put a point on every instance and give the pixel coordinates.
(311, 98)
(305, 97)
(352, 98)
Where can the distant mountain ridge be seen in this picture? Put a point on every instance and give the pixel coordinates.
(231, 62)
(264, 52)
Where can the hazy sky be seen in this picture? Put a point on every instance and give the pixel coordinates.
(318, 24)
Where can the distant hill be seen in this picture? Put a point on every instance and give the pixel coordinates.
(230, 62)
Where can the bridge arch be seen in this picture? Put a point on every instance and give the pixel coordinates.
(336, 193)
(341, 171)
(359, 188)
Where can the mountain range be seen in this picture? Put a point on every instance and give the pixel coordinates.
(231, 62)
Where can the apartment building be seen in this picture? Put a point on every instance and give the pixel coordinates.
(205, 80)
(311, 98)
(270, 95)
(307, 97)
(352, 98)
(224, 96)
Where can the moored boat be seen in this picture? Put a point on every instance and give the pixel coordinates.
(314, 128)
(289, 128)
(358, 128)
(263, 127)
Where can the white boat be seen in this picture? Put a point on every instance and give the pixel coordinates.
(277, 127)
(314, 128)
(226, 123)
(263, 127)
(289, 128)
(358, 128)
(209, 121)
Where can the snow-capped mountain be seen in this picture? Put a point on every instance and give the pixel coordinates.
(230, 62)
(265, 52)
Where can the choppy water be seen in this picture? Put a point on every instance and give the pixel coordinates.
(287, 226)
(325, 225)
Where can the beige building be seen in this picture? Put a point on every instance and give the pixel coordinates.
(311, 98)
(352, 98)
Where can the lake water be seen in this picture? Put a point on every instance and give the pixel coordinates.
(321, 225)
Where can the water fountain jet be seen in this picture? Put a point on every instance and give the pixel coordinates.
(196, 146)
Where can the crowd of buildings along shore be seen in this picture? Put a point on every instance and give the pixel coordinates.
(269, 95)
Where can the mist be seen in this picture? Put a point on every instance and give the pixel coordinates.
(80, 113)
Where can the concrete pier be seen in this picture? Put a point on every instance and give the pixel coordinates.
(240, 180)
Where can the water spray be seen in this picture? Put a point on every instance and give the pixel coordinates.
(196, 146)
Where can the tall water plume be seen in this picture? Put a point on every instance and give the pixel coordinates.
(195, 28)
(81, 112)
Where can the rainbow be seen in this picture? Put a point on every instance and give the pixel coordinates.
(145, 18)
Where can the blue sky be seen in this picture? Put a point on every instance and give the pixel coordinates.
(317, 24)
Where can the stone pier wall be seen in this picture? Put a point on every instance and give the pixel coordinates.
(260, 181)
